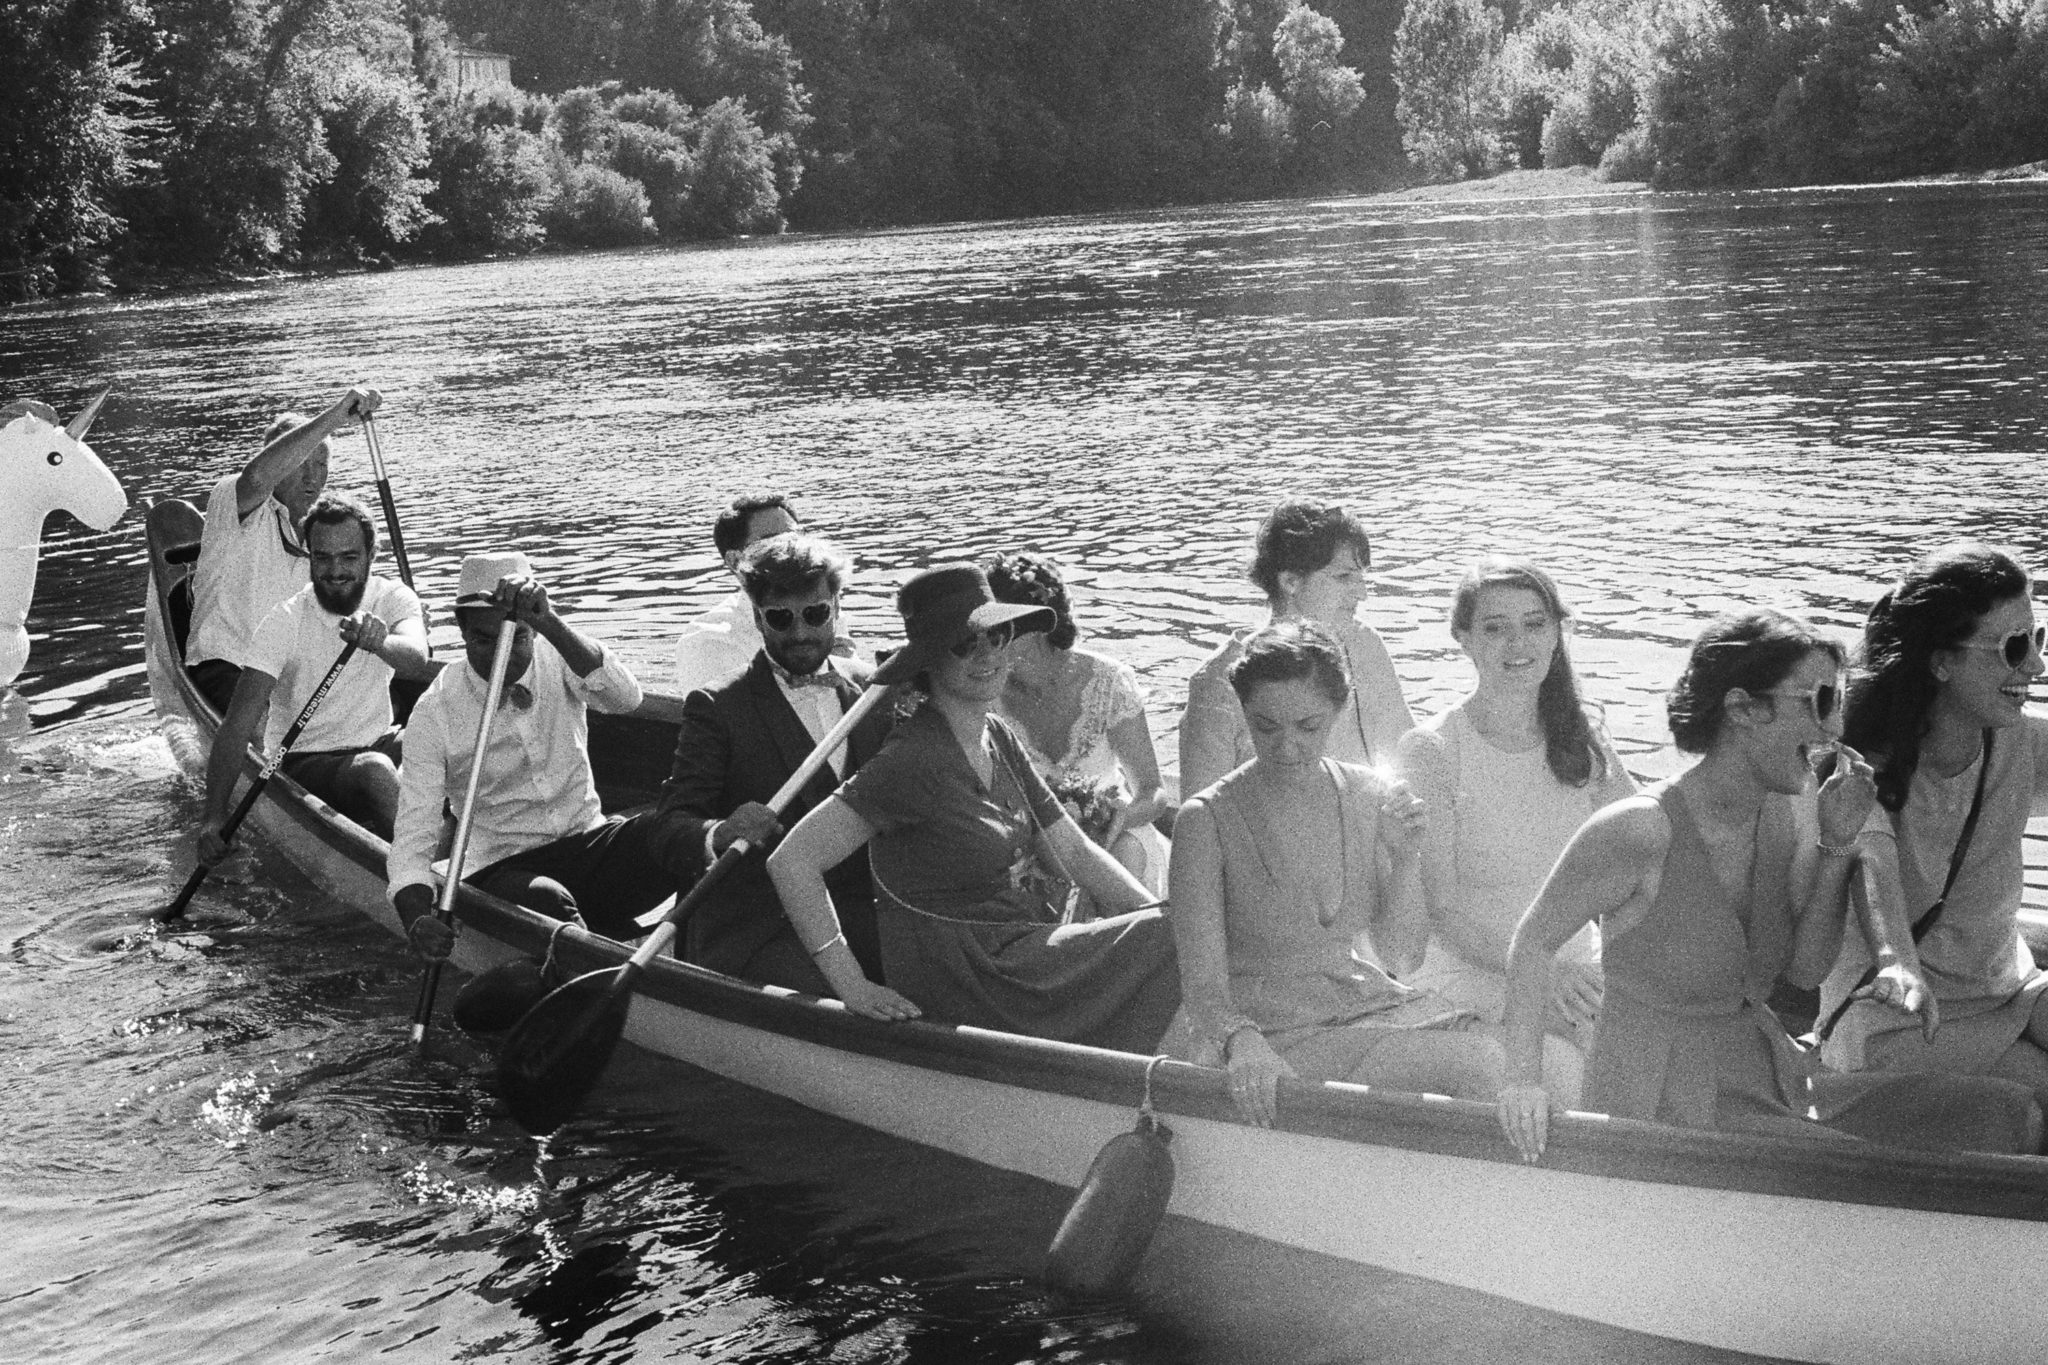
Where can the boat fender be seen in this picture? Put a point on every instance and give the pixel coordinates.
(497, 998)
(1109, 1225)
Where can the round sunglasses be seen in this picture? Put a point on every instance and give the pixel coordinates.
(996, 637)
(2013, 648)
(779, 619)
(1821, 701)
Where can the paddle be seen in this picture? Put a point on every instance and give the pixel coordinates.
(444, 909)
(176, 909)
(554, 1053)
(384, 496)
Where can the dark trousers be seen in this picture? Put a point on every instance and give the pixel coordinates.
(608, 875)
(216, 679)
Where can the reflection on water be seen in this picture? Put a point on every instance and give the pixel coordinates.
(214, 1146)
(1677, 402)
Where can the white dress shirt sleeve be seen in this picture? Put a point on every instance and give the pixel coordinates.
(422, 794)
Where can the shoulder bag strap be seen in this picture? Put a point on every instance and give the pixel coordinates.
(1928, 917)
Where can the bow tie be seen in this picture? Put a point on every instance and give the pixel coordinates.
(823, 677)
(518, 696)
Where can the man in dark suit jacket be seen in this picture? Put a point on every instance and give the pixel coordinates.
(740, 741)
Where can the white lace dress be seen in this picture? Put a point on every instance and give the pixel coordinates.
(1109, 696)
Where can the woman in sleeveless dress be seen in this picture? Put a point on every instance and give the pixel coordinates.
(1938, 704)
(956, 820)
(1277, 869)
(1310, 560)
(1509, 774)
(1709, 888)
(1082, 717)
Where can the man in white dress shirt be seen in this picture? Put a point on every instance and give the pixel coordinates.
(348, 753)
(250, 555)
(722, 641)
(539, 836)
(738, 744)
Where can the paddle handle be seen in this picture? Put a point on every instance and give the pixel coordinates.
(664, 933)
(444, 908)
(384, 497)
(176, 909)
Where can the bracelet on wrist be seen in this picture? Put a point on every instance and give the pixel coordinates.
(1828, 850)
(827, 944)
(1228, 1030)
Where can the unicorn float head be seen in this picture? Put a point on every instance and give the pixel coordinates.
(44, 468)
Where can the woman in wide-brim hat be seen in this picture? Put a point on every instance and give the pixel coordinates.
(956, 820)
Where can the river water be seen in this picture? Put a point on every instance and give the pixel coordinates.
(213, 1146)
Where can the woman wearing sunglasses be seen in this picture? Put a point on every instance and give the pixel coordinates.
(1938, 703)
(952, 813)
(1709, 888)
(1509, 774)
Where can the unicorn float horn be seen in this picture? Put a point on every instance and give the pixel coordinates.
(81, 424)
(44, 468)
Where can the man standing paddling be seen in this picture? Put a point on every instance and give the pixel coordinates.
(250, 554)
(740, 741)
(349, 751)
(538, 835)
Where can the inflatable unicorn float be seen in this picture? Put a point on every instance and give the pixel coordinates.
(44, 468)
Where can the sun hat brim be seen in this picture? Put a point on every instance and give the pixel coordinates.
(928, 647)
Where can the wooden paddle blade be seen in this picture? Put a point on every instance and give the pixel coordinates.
(554, 1054)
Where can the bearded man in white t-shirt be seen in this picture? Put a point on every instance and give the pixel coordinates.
(348, 754)
(250, 554)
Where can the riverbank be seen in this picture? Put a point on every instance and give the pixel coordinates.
(1576, 181)
(1568, 182)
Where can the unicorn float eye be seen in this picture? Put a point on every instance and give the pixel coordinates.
(55, 457)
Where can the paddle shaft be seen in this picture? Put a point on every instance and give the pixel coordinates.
(176, 908)
(444, 909)
(665, 932)
(384, 496)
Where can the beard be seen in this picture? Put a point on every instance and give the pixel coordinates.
(340, 601)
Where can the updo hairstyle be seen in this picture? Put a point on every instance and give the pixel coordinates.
(1033, 580)
(1302, 535)
(1291, 651)
(1754, 650)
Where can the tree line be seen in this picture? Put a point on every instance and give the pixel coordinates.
(148, 137)
(1705, 93)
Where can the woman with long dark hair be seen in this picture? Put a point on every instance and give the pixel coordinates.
(1938, 704)
(1710, 888)
(1509, 774)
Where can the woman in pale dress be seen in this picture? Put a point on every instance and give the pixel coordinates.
(1712, 887)
(1509, 774)
(1278, 869)
(1310, 560)
(1938, 703)
(1082, 715)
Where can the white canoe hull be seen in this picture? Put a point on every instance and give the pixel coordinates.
(1811, 1251)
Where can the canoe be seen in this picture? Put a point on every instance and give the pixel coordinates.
(1809, 1250)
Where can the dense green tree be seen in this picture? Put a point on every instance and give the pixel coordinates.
(1446, 65)
(734, 188)
(374, 199)
(69, 133)
(1322, 93)
(490, 177)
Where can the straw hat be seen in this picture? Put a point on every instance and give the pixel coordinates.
(944, 604)
(478, 586)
